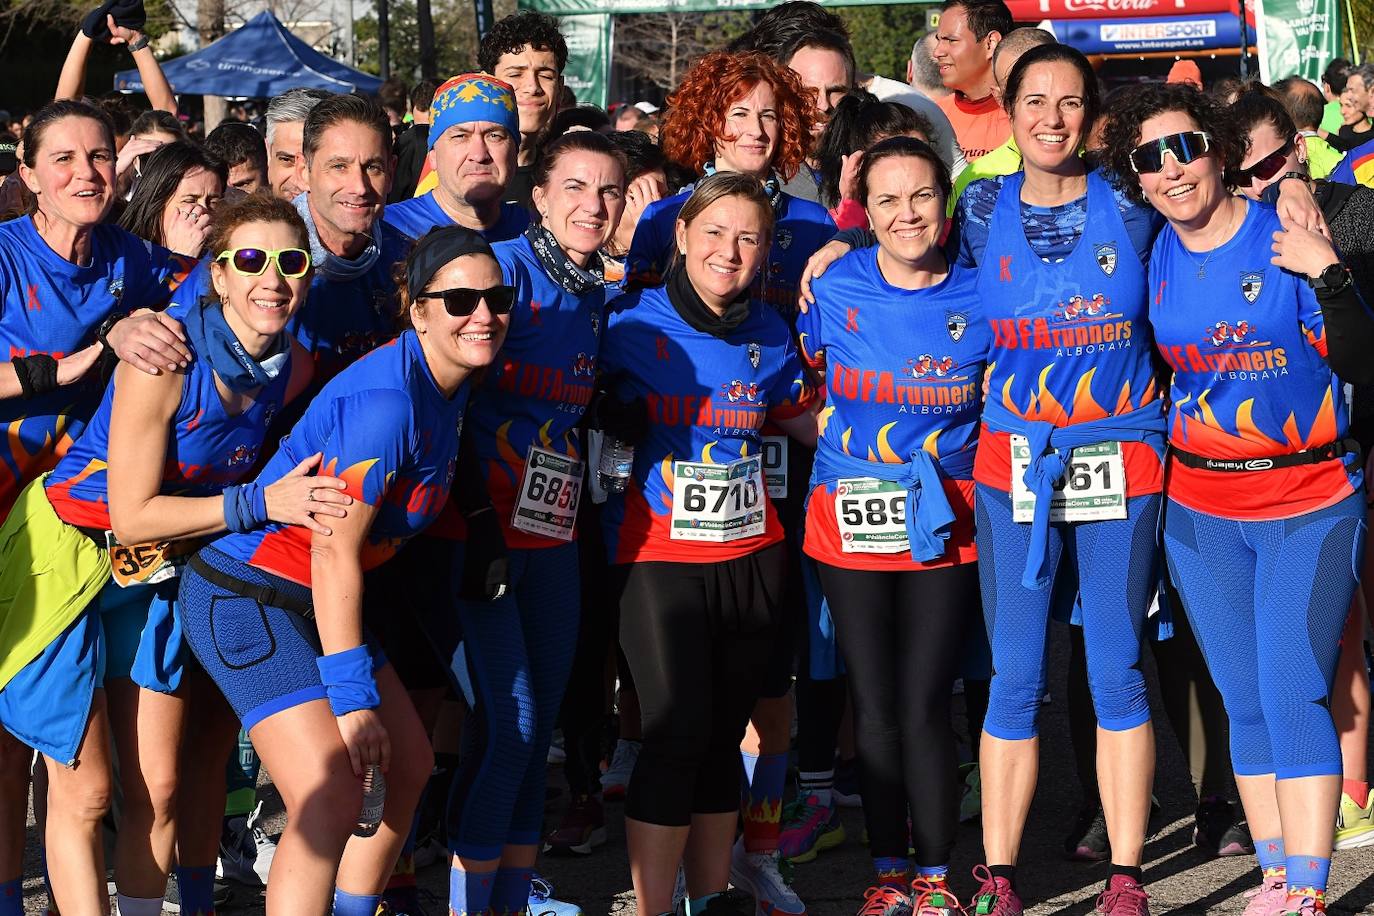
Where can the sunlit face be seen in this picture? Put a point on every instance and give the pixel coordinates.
(247, 177)
(749, 135)
(260, 305)
(1048, 116)
(474, 161)
(285, 160)
(198, 188)
(724, 248)
(73, 174)
(348, 176)
(459, 344)
(581, 201)
(906, 207)
(1264, 142)
(1186, 195)
(1351, 110)
(537, 82)
(964, 61)
(1359, 92)
(826, 74)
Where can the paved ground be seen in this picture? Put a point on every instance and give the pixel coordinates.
(1179, 878)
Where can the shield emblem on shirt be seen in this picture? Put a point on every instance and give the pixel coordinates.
(1250, 285)
(784, 238)
(1106, 258)
(956, 323)
(755, 354)
(596, 324)
(116, 289)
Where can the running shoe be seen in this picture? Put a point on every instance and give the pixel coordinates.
(680, 892)
(1355, 823)
(1303, 906)
(808, 829)
(885, 900)
(541, 902)
(617, 775)
(583, 827)
(756, 873)
(556, 756)
(845, 793)
(245, 851)
(1219, 830)
(971, 802)
(1267, 899)
(931, 899)
(1123, 897)
(995, 897)
(1087, 841)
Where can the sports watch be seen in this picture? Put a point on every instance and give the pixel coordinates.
(1331, 281)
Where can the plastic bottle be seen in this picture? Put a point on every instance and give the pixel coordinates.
(617, 461)
(374, 801)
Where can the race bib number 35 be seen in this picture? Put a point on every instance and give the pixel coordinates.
(871, 515)
(718, 502)
(146, 564)
(1093, 486)
(549, 493)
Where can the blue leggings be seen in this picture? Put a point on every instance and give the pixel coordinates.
(1268, 600)
(516, 658)
(1116, 564)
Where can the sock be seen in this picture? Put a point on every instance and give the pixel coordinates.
(750, 762)
(1272, 861)
(1004, 871)
(819, 784)
(1307, 878)
(241, 779)
(933, 874)
(698, 905)
(892, 871)
(510, 892)
(1129, 871)
(346, 904)
(763, 807)
(1357, 790)
(469, 893)
(138, 906)
(400, 893)
(12, 897)
(197, 888)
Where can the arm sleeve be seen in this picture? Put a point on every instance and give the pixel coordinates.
(1142, 224)
(373, 434)
(792, 393)
(809, 337)
(972, 219)
(647, 259)
(1341, 329)
(856, 238)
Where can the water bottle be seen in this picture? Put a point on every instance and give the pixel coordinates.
(617, 460)
(374, 801)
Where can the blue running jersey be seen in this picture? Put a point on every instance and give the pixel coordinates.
(418, 215)
(1247, 344)
(50, 305)
(903, 372)
(707, 398)
(386, 430)
(1070, 340)
(802, 228)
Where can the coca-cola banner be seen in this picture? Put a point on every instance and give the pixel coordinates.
(1297, 37)
(1035, 10)
(1139, 36)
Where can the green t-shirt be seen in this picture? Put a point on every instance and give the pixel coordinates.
(1001, 160)
(1322, 157)
(1331, 118)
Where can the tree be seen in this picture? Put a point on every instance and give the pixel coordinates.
(454, 41)
(884, 35)
(662, 46)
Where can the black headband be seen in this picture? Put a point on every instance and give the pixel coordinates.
(437, 248)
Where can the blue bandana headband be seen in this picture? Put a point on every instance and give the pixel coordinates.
(473, 97)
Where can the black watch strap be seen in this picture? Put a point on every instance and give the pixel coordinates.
(1334, 279)
(108, 325)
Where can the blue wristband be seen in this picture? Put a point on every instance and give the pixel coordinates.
(245, 507)
(348, 680)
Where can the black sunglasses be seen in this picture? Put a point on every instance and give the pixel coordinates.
(462, 302)
(1264, 169)
(1148, 158)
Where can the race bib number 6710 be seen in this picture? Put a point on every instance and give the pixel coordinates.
(718, 502)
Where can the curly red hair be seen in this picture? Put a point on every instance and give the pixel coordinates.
(696, 110)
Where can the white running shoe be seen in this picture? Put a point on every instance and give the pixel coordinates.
(617, 775)
(245, 851)
(756, 873)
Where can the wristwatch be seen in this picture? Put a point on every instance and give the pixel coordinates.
(1331, 281)
(139, 44)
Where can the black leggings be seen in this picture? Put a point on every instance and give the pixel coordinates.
(900, 634)
(694, 635)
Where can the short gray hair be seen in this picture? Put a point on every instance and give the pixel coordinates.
(925, 73)
(1366, 74)
(292, 106)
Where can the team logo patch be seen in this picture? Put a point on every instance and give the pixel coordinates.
(596, 324)
(783, 238)
(1106, 258)
(583, 365)
(755, 354)
(928, 366)
(1250, 285)
(956, 323)
(116, 289)
(737, 390)
(241, 456)
(1226, 333)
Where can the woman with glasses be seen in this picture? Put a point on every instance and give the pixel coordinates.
(1256, 317)
(521, 449)
(116, 519)
(274, 613)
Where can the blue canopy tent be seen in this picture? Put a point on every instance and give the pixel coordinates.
(258, 60)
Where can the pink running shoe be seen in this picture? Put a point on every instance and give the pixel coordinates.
(1268, 898)
(995, 897)
(1124, 897)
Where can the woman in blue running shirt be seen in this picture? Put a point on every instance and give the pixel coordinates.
(1257, 317)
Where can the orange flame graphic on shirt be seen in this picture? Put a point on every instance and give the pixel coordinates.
(1196, 426)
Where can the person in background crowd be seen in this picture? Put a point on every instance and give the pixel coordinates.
(413, 145)
(858, 122)
(394, 96)
(243, 150)
(474, 138)
(126, 31)
(1354, 102)
(528, 52)
(1186, 71)
(580, 117)
(633, 117)
(1333, 84)
(286, 116)
(646, 181)
(1357, 167)
(1304, 103)
(158, 127)
(172, 206)
(968, 34)
(825, 62)
(9, 154)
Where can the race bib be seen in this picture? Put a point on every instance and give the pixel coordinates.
(549, 494)
(146, 564)
(775, 465)
(871, 515)
(718, 502)
(1093, 486)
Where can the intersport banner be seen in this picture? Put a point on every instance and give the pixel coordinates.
(1141, 36)
(1035, 10)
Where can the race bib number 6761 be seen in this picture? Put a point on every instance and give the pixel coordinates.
(1093, 486)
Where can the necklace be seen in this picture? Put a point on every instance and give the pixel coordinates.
(1202, 267)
